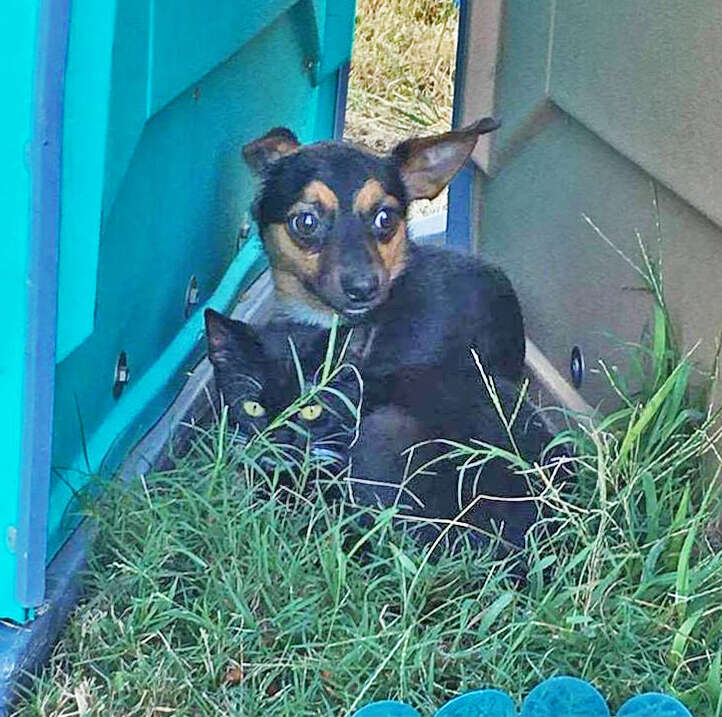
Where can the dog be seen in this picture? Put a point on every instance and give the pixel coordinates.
(332, 218)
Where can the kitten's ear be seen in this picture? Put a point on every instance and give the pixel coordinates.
(230, 342)
(262, 152)
(428, 164)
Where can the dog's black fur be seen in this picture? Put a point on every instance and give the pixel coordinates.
(333, 221)
(425, 307)
(503, 500)
(433, 497)
(443, 305)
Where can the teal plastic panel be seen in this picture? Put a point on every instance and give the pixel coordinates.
(176, 95)
(18, 33)
(186, 45)
(127, 61)
(85, 122)
(159, 99)
(338, 35)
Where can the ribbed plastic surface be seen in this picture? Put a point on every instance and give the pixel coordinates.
(556, 697)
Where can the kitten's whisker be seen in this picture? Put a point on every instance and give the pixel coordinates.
(342, 444)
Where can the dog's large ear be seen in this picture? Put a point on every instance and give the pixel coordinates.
(231, 343)
(277, 143)
(428, 164)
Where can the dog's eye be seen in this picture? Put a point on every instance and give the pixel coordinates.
(384, 220)
(254, 409)
(304, 224)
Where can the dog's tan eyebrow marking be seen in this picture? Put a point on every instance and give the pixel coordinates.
(372, 195)
(316, 192)
(393, 252)
(286, 255)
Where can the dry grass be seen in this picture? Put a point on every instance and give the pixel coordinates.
(402, 74)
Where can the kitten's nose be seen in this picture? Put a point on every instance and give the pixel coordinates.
(287, 436)
(360, 287)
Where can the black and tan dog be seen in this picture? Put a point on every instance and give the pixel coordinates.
(333, 222)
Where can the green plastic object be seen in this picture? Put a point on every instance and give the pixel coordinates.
(158, 99)
(556, 697)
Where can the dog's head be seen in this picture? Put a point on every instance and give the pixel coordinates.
(333, 217)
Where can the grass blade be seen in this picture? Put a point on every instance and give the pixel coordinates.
(647, 413)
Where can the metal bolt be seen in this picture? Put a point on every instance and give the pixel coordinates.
(122, 374)
(244, 230)
(576, 366)
(11, 537)
(192, 296)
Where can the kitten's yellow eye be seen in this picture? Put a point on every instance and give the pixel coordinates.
(311, 412)
(254, 409)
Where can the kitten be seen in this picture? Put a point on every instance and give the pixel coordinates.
(257, 376)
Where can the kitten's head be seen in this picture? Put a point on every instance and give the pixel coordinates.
(257, 377)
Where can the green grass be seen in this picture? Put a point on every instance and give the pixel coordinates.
(205, 597)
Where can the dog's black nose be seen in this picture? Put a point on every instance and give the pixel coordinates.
(360, 287)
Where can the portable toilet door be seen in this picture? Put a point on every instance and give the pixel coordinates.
(127, 209)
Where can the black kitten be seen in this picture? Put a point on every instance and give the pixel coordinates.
(258, 378)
